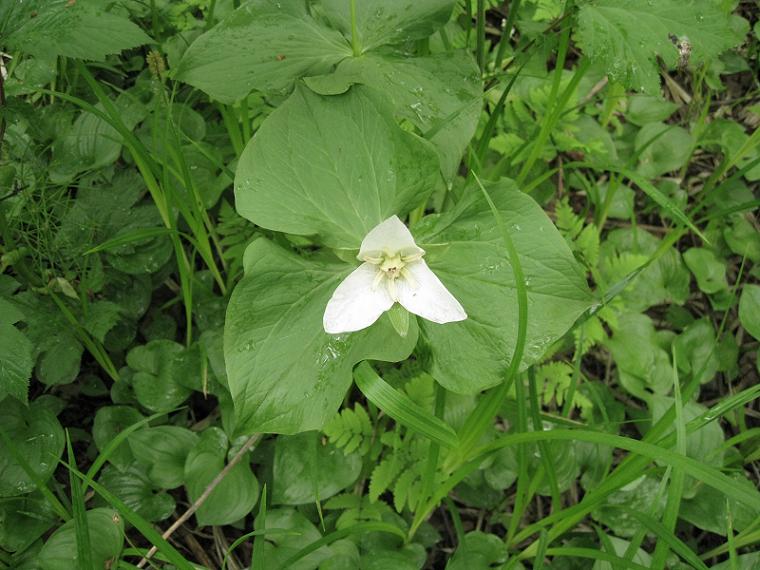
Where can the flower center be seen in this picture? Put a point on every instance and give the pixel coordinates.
(391, 266)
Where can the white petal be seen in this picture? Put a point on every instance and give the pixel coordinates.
(427, 297)
(355, 304)
(391, 236)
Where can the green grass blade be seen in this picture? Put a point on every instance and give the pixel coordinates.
(357, 529)
(401, 408)
(130, 237)
(112, 445)
(257, 557)
(479, 420)
(650, 190)
(82, 529)
(58, 507)
(143, 526)
(575, 552)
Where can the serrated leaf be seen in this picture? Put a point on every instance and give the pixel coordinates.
(626, 36)
(16, 363)
(383, 475)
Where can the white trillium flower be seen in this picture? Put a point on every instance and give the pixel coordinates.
(393, 272)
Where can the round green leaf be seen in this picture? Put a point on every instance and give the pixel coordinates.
(133, 487)
(305, 470)
(334, 167)
(37, 436)
(161, 368)
(106, 530)
(235, 496)
(749, 310)
(163, 451)
(109, 422)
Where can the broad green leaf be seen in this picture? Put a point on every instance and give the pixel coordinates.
(643, 366)
(163, 451)
(749, 310)
(627, 36)
(264, 45)
(306, 470)
(708, 268)
(16, 362)
(697, 351)
(287, 375)
(643, 109)
(663, 148)
(23, 520)
(106, 530)
(389, 21)
(332, 166)
(440, 94)
(707, 509)
(283, 546)
(478, 551)
(162, 369)
(639, 495)
(466, 251)
(80, 29)
(58, 352)
(133, 487)
(238, 492)
(109, 422)
(38, 438)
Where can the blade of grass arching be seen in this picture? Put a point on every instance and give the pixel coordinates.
(641, 533)
(257, 556)
(113, 445)
(591, 554)
(480, 46)
(706, 474)
(675, 491)
(478, 421)
(730, 539)
(456, 519)
(254, 533)
(356, 529)
(58, 507)
(81, 528)
(631, 469)
(535, 405)
(523, 492)
(482, 146)
(506, 33)
(650, 190)
(232, 126)
(556, 102)
(93, 345)
(575, 378)
(543, 544)
(143, 526)
(129, 237)
(663, 534)
(431, 465)
(401, 408)
(728, 162)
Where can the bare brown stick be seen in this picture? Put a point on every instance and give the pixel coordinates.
(202, 499)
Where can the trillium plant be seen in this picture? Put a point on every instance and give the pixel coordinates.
(393, 272)
(361, 160)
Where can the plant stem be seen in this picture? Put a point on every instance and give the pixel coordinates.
(355, 44)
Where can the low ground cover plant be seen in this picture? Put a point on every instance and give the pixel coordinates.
(327, 284)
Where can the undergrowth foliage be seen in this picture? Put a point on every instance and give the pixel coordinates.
(184, 186)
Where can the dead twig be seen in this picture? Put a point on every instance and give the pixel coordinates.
(205, 495)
